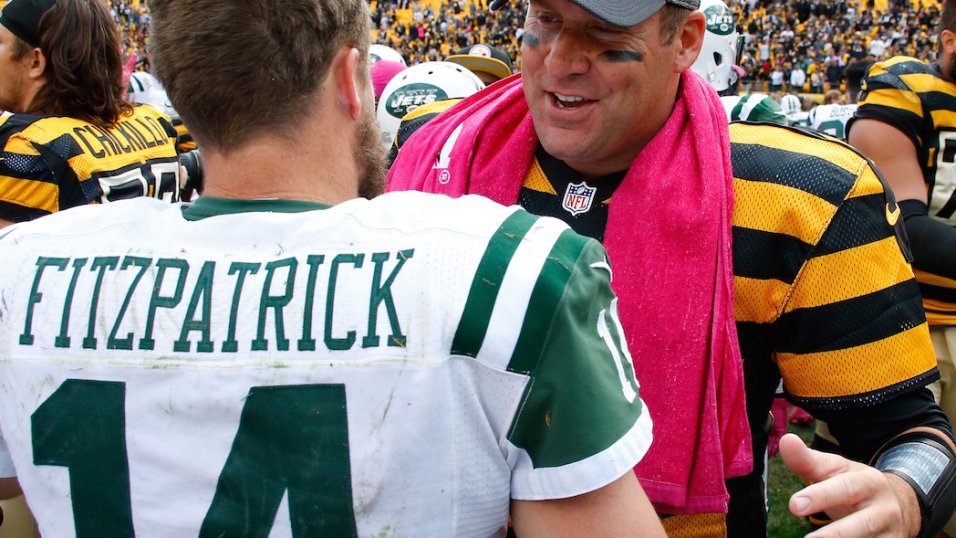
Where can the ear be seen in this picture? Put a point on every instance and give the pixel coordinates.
(351, 82)
(37, 63)
(947, 42)
(690, 39)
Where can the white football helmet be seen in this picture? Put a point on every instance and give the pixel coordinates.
(146, 89)
(378, 52)
(419, 85)
(719, 51)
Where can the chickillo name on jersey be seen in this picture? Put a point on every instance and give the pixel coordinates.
(133, 302)
(125, 136)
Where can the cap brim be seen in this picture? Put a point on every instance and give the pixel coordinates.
(492, 66)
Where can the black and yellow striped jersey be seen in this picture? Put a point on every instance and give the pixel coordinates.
(51, 163)
(823, 287)
(913, 97)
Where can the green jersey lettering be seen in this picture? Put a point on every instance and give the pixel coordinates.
(231, 345)
(160, 301)
(127, 343)
(338, 344)
(63, 340)
(276, 303)
(26, 339)
(307, 343)
(203, 292)
(100, 264)
(382, 293)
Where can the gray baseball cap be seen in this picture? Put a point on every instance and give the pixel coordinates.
(621, 13)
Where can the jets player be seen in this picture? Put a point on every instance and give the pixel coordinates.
(287, 358)
(68, 138)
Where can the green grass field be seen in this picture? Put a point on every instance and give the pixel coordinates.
(783, 483)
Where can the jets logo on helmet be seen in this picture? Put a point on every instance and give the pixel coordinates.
(720, 20)
(407, 98)
(419, 85)
(719, 50)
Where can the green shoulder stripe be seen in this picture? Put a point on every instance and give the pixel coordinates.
(487, 282)
(583, 395)
(547, 293)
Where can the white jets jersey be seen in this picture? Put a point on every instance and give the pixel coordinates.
(396, 367)
(831, 119)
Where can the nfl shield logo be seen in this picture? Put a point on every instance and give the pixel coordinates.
(578, 198)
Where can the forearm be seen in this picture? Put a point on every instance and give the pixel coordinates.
(933, 242)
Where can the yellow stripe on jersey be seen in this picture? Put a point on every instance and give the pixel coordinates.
(868, 183)
(816, 280)
(934, 280)
(758, 300)
(890, 98)
(834, 154)
(825, 375)
(695, 525)
(41, 195)
(536, 180)
(806, 224)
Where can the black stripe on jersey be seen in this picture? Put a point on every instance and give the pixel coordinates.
(834, 327)
(751, 259)
(802, 171)
(865, 216)
(72, 192)
(938, 293)
(19, 213)
(23, 166)
(939, 100)
(867, 399)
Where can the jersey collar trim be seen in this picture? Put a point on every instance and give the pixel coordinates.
(210, 207)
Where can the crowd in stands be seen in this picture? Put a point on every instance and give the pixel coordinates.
(797, 46)
(790, 46)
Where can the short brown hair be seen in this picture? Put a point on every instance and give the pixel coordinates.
(947, 18)
(84, 70)
(233, 68)
(672, 18)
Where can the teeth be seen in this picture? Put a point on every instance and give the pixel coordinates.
(569, 98)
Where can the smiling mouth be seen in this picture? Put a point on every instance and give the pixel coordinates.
(569, 101)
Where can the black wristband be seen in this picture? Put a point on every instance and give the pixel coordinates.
(929, 467)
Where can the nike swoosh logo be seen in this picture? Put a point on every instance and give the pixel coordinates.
(892, 216)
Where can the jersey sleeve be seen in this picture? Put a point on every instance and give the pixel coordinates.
(581, 423)
(888, 96)
(6, 462)
(853, 333)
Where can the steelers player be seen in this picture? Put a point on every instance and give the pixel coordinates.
(825, 299)
(68, 137)
(906, 122)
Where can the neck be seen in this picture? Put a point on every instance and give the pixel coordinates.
(313, 164)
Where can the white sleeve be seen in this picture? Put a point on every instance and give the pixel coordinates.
(6, 464)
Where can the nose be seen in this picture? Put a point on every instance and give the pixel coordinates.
(568, 54)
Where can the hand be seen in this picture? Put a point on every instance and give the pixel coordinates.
(862, 500)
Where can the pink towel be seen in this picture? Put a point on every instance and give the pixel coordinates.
(669, 241)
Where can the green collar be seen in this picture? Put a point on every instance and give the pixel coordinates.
(210, 207)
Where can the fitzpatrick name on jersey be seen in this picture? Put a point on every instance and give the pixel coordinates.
(167, 284)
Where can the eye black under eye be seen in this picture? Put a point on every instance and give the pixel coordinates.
(623, 56)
